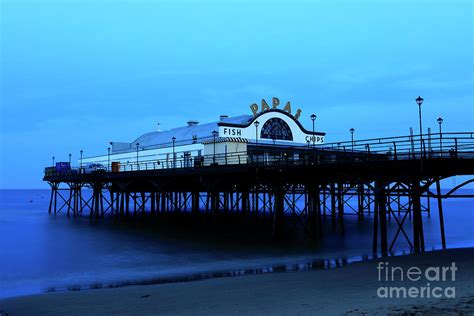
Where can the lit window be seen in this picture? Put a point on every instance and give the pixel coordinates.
(276, 128)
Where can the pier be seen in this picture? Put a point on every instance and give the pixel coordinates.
(285, 189)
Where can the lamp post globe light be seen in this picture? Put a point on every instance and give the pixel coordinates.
(352, 130)
(440, 122)
(138, 144)
(419, 101)
(256, 123)
(173, 140)
(214, 135)
(108, 158)
(70, 155)
(109, 149)
(53, 160)
(313, 118)
(81, 152)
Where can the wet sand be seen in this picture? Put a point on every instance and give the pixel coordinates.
(348, 290)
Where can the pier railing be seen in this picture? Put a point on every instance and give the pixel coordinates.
(413, 147)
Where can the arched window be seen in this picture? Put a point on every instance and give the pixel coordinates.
(275, 128)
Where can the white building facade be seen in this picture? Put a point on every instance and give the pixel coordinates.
(227, 141)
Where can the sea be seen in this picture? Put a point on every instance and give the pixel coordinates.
(45, 253)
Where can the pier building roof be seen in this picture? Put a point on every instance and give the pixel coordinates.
(268, 125)
(192, 133)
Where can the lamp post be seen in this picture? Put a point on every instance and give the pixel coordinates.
(214, 134)
(419, 101)
(256, 123)
(352, 130)
(108, 158)
(138, 144)
(81, 152)
(440, 121)
(173, 140)
(313, 118)
(53, 160)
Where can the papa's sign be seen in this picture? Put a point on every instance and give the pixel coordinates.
(275, 105)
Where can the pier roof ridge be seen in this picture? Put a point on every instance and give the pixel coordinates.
(186, 133)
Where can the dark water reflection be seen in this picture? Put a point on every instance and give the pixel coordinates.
(40, 252)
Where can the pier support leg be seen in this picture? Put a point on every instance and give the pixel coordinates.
(142, 204)
(418, 242)
(231, 202)
(314, 212)
(56, 200)
(127, 205)
(70, 200)
(340, 206)
(245, 203)
(52, 201)
(101, 196)
(360, 201)
(113, 202)
(215, 206)
(152, 204)
(441, 216)
(311, 219)
(278, 214)
(381, 204)
(77, 194)
(195, 203)
(256, 206)
(133, 202)
(324, 201)
(208, 197)
(158, 202)
(122, 204)
(81, 203)
(97, 199)
(375, 229)
(318, 212)
(163, 202)
(226, 202)
(333, 205)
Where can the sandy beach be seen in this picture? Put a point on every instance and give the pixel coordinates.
(349, 290)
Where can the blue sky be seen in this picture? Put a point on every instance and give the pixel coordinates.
(78, 74)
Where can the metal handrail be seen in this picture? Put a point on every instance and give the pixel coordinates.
(466, 135)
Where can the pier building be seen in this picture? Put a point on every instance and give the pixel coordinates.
(236, 138)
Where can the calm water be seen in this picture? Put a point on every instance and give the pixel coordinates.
(40, 252)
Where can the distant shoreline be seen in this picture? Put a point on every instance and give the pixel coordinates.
(278, 267)
(317, 264)
(351, 289)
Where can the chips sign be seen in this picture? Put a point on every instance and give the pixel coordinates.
(275, 105)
